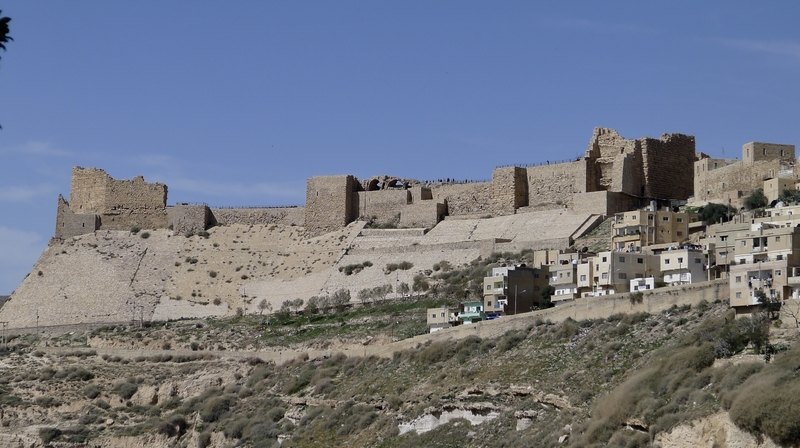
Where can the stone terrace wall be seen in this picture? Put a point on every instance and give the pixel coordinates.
(465, 199)
(668, 165)
(424, 214)
(606, 203)
(329, 203)
(258, 216)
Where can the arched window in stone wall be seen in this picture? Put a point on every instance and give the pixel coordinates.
(373, 185)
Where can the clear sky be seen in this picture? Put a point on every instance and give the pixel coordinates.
(237, 103)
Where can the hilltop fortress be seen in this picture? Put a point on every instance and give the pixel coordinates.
(97, 269)
(615, 174)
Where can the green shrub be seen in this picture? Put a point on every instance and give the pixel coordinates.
(49, 435)
(135, 230)
(145, 235)
(766, 401)
(215, 408)
(91, 391)
(212, 274)
(46, 402)
(125, 389)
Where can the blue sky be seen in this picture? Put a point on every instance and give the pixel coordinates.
(237, 103)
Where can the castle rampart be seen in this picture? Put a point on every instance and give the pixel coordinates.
(717, 180)
(99, 202)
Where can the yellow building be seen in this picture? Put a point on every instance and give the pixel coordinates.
(633, 230)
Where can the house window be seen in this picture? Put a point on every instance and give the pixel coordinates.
(560, 275)
(640, 260)
(777, 238)
(535, 288)
(666, 261)
(697, 260)
(665, 218)
(568, 274)
(779, 257)
(605, 275)
(622, 259)
(679, 219)
(649, 217)
(442, 314)
(635, 217)
(488, 303)
(623, 275)
(680, 233)
(583, 278)
(738, 295)
(433, 315)
(605, 259)
(488, 287)
(777, 272)
(680, 259)
(744, 243)
(536, 275)
(738, 279)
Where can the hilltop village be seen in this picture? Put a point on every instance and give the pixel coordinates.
(120, 252)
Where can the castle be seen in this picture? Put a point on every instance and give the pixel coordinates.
(615, 174)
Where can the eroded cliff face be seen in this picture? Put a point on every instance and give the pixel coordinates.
(714, 431)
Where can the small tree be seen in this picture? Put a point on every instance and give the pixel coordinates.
(403, 288)
(792, 309)
(285, 312)
(311, 307)
(340, 299)
(364, 295)
(296, 304)
(756, 199)
(383, 291)
(715, 213)
(790, 196)
(545, 297)
(264, 305)
(771, 306)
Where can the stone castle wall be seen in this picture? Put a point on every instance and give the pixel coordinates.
(115, 204)
(287, 216)
(556, 183)
(465, 199)
(509, 189)
(185, 219)
(382, 205)
(667, 164)
(717, 180)
(69, 223)
(423, 214)
(329, 203)
(94, 191)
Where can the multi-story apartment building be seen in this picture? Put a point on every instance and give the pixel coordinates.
(564, 276)
(613, 270)
(513, 289)
(640, 228)
(766, 258)
(686, 265)
(444, 317)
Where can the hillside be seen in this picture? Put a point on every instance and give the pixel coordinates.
(114, 276)
(677, 378)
